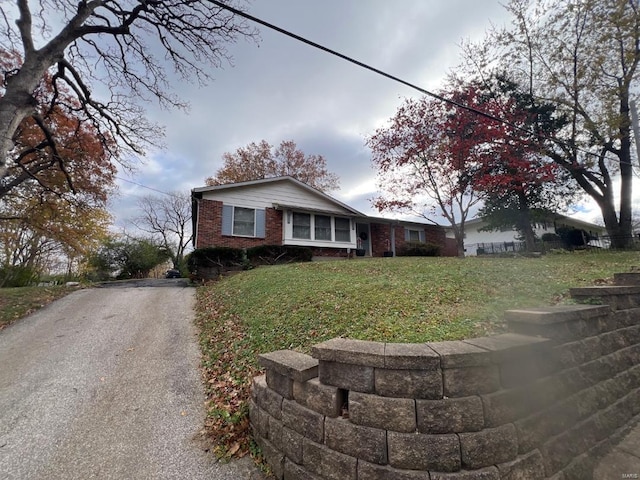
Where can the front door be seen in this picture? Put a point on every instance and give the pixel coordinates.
(364, 237)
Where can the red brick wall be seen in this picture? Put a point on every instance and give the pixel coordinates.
(399, 233)
(210, 233)
(210, 228)
(451, 248)
(381, 238)
(432, 234)
(435, 235)
(330, 252)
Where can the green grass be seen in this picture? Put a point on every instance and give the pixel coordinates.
(16, 303)
(386, 299)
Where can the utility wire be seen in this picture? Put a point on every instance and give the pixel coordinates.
(361, 64)
(379, 72)
(394, 78)
(144, 186)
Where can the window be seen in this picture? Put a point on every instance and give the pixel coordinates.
(244, 221)
(322, 227)
(343, 229)
(414, 235)
(318, 228)
(301, 225)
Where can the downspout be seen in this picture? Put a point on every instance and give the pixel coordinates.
(393, 238)
(195, 211)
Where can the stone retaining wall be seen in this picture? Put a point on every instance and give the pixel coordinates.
(543, 401)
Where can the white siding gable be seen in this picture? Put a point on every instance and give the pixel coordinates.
(274, 193)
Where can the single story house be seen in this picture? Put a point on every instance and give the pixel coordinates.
(476, 240)
(285, 211)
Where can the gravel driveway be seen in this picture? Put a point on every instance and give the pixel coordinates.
(104, 384)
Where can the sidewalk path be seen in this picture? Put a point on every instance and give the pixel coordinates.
(623, 462)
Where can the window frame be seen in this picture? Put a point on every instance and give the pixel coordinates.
(417, 231)
(323, 228)
(309, 226)
(335, 229)
(229, 220)
(233, 223)
(292, 233)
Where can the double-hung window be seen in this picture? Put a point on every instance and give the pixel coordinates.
(244, 222)
(343, 229)
(302, 225)
(322, 227)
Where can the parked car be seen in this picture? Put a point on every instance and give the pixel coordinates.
(173, 273)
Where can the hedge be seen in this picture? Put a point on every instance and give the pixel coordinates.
(211, 262)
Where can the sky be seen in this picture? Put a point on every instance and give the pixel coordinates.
(281, 89)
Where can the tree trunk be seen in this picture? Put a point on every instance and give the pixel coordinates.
(619, 236)
(18, 103)
(524, 222)
(15, 106)
(458, 233)
(460, 245)
(624, 224)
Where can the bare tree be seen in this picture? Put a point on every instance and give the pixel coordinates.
(114, 47)
(168, 220)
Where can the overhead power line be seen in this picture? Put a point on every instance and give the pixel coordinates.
(393, 77)
(360, 64)
(145, 186)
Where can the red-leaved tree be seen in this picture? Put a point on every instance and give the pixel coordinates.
(437, 158)
(429, 155)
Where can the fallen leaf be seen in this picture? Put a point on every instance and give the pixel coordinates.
(234, 448)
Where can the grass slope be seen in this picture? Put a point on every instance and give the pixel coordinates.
(16, 303)
(386, 299)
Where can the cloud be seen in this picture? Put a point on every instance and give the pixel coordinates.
(284, 89)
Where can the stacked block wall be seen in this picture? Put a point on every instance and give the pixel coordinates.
(543, 401)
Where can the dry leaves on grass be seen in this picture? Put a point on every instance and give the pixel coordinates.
(227, 375)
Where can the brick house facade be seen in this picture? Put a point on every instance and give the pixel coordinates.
(209, 231)
(391, 236)
(284, 211)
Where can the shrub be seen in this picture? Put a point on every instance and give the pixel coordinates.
(211, 262)
(573, 237)
(551, 238)
(17, 276)
(418, 249)
(212, 256)
(276, 254)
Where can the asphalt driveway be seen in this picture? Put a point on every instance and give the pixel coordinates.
(104, 384)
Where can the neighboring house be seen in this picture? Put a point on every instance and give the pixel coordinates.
(477, 241)
(285, 211)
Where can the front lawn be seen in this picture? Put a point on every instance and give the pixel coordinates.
(16, 303)
(385, 299)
